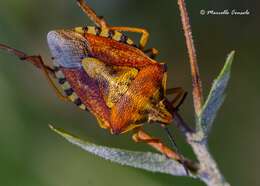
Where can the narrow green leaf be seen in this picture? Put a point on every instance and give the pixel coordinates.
(153, 162)
(215, 97)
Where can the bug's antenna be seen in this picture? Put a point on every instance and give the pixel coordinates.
(171, 137)
(175, 147)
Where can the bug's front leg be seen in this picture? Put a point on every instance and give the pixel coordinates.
(180, 95)
(38, 62)
(142, 136)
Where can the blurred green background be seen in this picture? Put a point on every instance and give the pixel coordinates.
(31, 154)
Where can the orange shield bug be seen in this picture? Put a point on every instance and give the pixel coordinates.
(101, 70)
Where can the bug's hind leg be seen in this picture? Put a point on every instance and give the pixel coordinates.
(99, 21)
(38, 62)
(153, 52)
(144, 33)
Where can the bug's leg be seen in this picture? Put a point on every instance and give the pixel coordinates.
(152, 52)
(179, 97)
(141, 136)
(99, 21)
(38, 62)
(23, 56)
(170, 91)
(144, 37)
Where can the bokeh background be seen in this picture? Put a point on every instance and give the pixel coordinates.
(31, 154)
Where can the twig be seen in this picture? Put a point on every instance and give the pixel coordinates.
(196, 82)
(208, 171)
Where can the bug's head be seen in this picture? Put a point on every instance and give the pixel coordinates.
(68, 48)
(157, 112)
(156, 109)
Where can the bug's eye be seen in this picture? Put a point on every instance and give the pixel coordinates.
(67, 48)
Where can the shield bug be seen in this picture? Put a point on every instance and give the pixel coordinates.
(101, 70)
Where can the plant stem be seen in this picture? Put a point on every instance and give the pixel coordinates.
(208, 171)
(196, 82)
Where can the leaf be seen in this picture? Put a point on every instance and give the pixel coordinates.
(215, 97)
(153, 162)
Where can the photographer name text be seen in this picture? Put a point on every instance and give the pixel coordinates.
(225, 12)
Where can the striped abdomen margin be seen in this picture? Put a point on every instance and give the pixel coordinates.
(104, 32)
(69, 92)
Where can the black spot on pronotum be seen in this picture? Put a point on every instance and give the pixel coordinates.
(68, 92)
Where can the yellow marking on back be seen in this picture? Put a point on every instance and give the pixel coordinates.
(117, 36)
